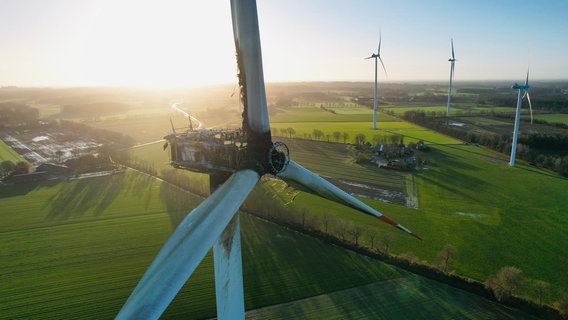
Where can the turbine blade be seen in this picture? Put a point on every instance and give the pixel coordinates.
(453, 56)
(296, 175)
(527, 81)
(249, 60)
(228, 265)
(186, 247)
(379, 48)
(530, 105)
(383, 65)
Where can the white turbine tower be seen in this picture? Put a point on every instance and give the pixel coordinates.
(453, 61)
(523, 91)
(215, 222)
(376, 56)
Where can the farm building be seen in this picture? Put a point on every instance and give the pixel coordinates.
(54, 169)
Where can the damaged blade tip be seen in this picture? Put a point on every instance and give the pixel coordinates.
(398, 226)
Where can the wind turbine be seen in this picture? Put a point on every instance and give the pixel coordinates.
(215, 222)
(523, 91)
(453, 61)
(376, 56)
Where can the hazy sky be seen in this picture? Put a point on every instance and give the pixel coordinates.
(188, 42)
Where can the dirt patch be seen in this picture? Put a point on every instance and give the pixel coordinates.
(471, 215)
(370, 191)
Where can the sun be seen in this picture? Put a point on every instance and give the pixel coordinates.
(157, 44)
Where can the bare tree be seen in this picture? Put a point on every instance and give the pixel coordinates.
(542, 289)
(291, 132)
(447, 256)
(326, 220)
(385, 243)
(336, 136)
(340, 228)
(318, 134)
(360, 139)
(345, 137)
(372, 236)
(315, 222)
(355, 231)
(507, 280)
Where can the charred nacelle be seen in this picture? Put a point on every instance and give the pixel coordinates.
(207, 151)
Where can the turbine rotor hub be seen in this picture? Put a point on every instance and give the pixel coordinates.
(278, 157)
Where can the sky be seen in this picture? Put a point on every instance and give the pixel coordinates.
(180, 43)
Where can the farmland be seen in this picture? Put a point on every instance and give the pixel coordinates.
(84, 264)
(467, 196)
(8, 154)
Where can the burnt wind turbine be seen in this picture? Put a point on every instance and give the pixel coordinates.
(215, 222)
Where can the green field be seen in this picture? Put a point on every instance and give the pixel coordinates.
(8, 154)
(553, 118)
(305, 120)
(469, 195)
(455, 109)
(466, 196)
(80, 258)
(326, 158)
(64, 247)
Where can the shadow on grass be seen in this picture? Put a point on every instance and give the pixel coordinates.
(17, 190)
(542, 172)
(178, 202)
(78, 197)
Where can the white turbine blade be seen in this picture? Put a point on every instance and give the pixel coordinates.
(229, 273)
(249, 57)
(530, 105)
(385, 69)
(453, 56)
(527, 81)
(379, 48)
(187, 246)
(310, 182)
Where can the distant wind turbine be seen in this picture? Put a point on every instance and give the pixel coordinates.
(523, 91)
(376, 56)
(453, 61)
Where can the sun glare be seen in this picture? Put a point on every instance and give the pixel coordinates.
(157, 44)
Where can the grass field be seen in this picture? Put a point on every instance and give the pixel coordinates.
(64, 246)
(63, 259)
(470, 195)
(553, 118)
(8, 154)
(455, 109)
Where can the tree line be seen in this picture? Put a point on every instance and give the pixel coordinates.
(17, 114)
(541, 149)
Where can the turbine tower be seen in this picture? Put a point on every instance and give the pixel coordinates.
(523, 91)
(453, 61)
(215, 222)
(376, 56)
